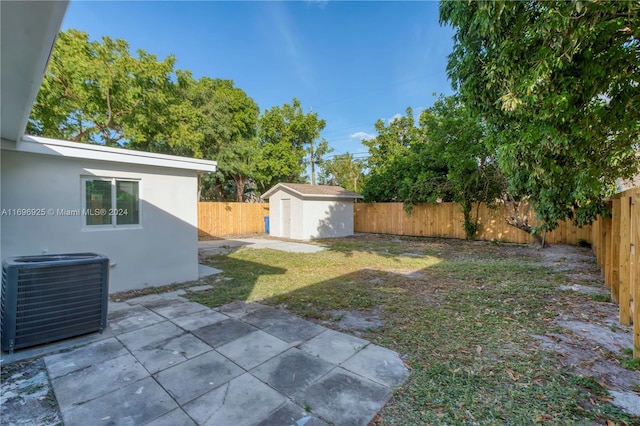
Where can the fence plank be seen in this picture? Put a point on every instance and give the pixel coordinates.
(446, 220)
(636, 273)
(216, 219)
(615, 249)
(624, 292)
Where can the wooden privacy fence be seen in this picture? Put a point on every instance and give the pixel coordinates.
(217, 219)
(446, 220)
(616, 243)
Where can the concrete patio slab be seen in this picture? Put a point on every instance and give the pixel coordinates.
(265, 316)
(253, 349)
(176, 417)
(170, 352)
(133, 404)
(344, 398)
(82, 386)
(180, 309)
(192, 378)
(150, 336)
(67, 362)
(205, 271)
(242, 401)
(334, 346)
(203, 287)
(224, 332)
(292, 371)
(199, 319)
(243, 363)
(134, 322)
(124, 310)
(239, 308)
(378, 364)
(148, 299)
(291, 414)
(294, 330)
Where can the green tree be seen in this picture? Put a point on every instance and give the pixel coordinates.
(558, 86)
(455, 138)
(224, 125)
(345, 171)
(389, 154)
(98, 93)
(286, 133)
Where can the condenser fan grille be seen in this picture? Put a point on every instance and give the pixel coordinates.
(52, 298)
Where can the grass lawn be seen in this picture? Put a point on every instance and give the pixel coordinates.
(461, 314)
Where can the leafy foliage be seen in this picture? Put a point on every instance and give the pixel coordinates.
(345, 171)
(557, 84)
(456, 138)
(98, 93)
(444, 158)
(286, 134)
(224, 126)
(388, 161)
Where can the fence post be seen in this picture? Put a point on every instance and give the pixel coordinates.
(624, 295)
(635, 270)
(615, 249)
(608, 250)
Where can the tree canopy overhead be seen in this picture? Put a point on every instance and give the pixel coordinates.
(286, 135)
(558, 85)
(98, 92)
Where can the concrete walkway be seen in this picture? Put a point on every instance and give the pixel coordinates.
(258, 243)
(166, 361)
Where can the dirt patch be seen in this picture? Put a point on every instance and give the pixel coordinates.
(593, 341)
(354, 322)
(26, 395)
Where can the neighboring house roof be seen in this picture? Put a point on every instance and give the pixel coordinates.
(46, 146)
(312, 191)
(29, 30)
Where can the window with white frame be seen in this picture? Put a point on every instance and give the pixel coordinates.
(111, 201)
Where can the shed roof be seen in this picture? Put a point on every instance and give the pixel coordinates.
(313, 191)
(46, 146)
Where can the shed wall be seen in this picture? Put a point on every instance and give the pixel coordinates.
(310, 218)
(161, 250)
(327, 219)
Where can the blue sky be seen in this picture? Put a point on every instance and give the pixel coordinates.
(351, 62)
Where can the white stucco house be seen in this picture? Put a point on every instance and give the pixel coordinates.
(305, 212)
(137, 208)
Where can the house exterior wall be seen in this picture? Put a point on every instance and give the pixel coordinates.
(310, 217)
(161, 250)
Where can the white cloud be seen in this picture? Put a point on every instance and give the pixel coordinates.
(362, 135)
(394, 118)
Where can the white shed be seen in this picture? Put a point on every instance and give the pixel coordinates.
(305, 212)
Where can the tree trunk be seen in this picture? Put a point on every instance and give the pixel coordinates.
(240, 183)
(518, 217)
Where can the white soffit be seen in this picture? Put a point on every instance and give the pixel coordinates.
(28, 32)
(46, 146)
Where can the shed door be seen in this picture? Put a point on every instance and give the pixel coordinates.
(285, 208)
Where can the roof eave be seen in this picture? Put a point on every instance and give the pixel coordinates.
(273, 190)
(60, 148)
